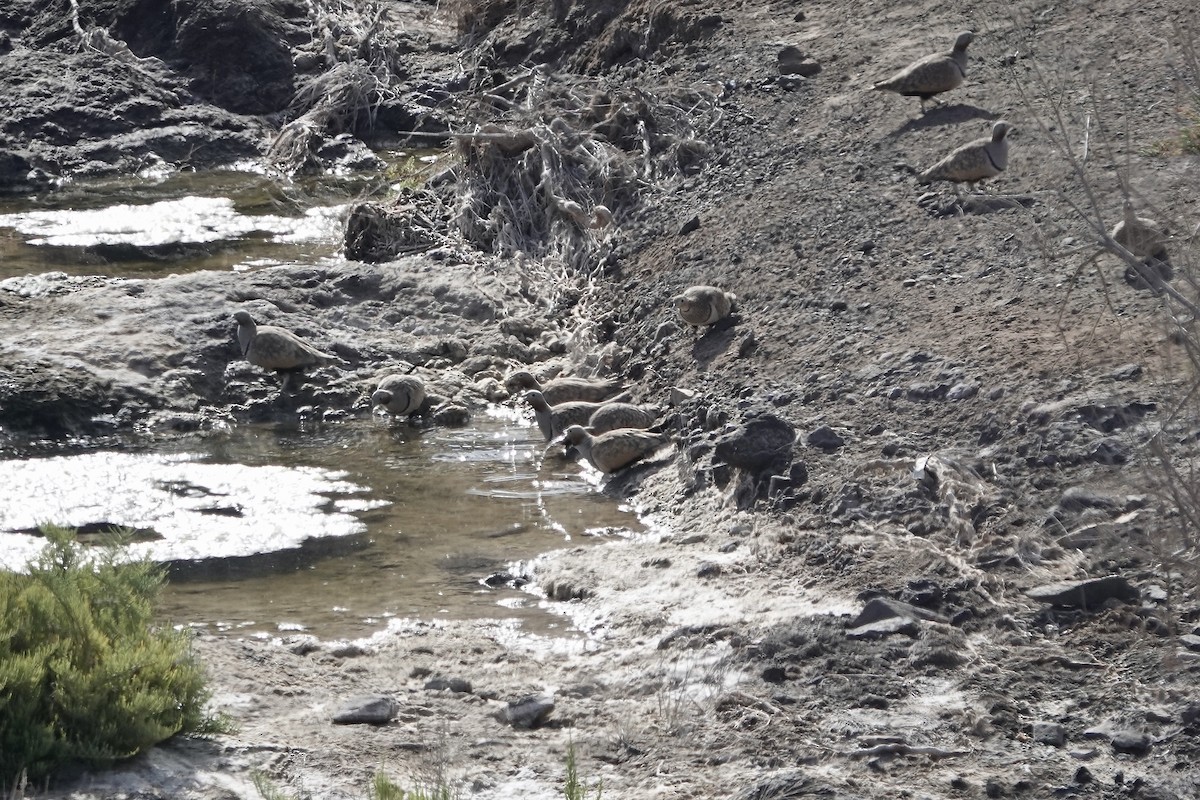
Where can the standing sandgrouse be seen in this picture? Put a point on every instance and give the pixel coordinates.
(932, 74)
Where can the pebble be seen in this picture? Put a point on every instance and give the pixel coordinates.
(372, 709)
(825, 438)
(762, 442)
(1050, 733)
(1086, 594)
(457, 685)
(962, 391)
(528, 712)
(1131, 742)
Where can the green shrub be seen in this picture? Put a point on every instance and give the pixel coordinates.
(85, 675)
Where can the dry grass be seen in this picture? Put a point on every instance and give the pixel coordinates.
(1074, 120)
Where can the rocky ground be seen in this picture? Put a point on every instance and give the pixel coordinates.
(925, 415)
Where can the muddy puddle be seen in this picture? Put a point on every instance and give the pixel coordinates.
(333, 529)
(163, 222)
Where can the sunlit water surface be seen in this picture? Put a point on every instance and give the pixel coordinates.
(331, 529)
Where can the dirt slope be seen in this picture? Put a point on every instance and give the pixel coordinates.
(983, 410)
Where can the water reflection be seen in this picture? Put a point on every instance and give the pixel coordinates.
(409, 524)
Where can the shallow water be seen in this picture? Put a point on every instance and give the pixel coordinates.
(330, 528)
(163, 222)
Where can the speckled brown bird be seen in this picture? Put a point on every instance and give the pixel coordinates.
(933, 74)
(401, 395)
(1146, 241)
(565, 390)
(553, 420)
(974, 161)
(703, 305)
(277, 349)
(612, 416)
(611, 451)
(1142, 237)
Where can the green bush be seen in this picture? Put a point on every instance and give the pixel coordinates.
(85, 675)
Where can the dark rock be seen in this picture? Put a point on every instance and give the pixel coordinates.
(457, 685)
(793, 62)
(962, 391)
(1191, 641)
(824, 438)
(302, 644)
(374, 709)
(1083, 776)
(14, 171)
(528, 712)
(1049, 733)
(763, 442)
(774, 674)
(1078, 498)
(452, 415)
(708, 570)
(882, 628)
(1110, 452)
(349, 650)
(883, 616)
(1131, 742)
(1126, 372)
(1085, 594)
(235, 53)
(692, 224)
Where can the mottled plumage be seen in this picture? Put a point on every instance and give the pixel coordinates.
(974, 161)
(1147, 242)
(401, 395)
(565, 390)
(609, 452)
(553, 420)
(1140, 236)
(277, 349)
(932, 74)
(611, 416)
(703, 305)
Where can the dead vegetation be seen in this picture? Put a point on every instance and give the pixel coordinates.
(1127, 222)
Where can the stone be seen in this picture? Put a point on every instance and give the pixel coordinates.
(456, 685)
(882, 628)
(762, 442)
(372, 709)
(962, 391)
(1132, 742)
(1087, 594)
(528, 712)
(879, 608)
(792, 61)
(824, 438)
(1050, 733)
(452, 415)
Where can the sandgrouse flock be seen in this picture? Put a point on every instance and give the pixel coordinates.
(594, 415)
